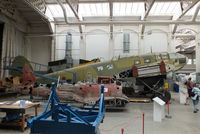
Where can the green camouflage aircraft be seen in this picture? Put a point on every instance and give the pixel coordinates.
(118, 68)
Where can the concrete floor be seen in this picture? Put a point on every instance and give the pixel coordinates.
(183, 121)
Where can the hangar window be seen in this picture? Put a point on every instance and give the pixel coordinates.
(147, 60)
(137, 62)
(126, 43)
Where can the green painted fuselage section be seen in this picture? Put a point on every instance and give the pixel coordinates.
(113, 67)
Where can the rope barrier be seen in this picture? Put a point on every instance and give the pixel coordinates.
(124, 125)
(143, 123)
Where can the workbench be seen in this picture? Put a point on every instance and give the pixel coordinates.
(13, 107)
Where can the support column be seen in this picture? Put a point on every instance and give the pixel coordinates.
(171, 48)
(83, 47)
(141, 45)
(27, 51)
(53, 49)
(192, 57)
(198, 58)
(111, 48)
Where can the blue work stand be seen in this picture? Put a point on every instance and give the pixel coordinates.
(63, 119)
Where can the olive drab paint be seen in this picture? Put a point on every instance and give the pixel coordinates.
(91, 72)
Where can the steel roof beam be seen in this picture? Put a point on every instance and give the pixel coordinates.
(36, 10)
(196, 13)
(139, 22)
(106, 1)
(111, 18)
(148, 6)
(63, 9)
(191, 4)
(44, 18)
(73, 4)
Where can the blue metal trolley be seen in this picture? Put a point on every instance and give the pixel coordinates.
(63, 119)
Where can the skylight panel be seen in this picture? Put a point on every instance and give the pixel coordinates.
(56, 10)
(128, 9)
(98, 9)
(123, 9)
(131, 8)
(84, 10)
(176, 8)
(134, 8)
(93, 10)
(137, 7)
(140, 9)
(69, 11)
(192, 10)
(48, 13)
(120, 9)
(158, 8)
(165, 8)
(116, 9)
(153, 8)
(106, 10)
(161, 8)
(172, 7)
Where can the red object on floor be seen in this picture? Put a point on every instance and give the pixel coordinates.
(122, 131)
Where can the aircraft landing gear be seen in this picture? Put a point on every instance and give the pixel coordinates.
(161, 93)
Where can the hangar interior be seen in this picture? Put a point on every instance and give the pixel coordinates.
(48, 32)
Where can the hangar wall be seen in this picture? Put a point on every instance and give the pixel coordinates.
(39, 49)
(12, 40)
(16, 42)
(13, 37)
(96, 41)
